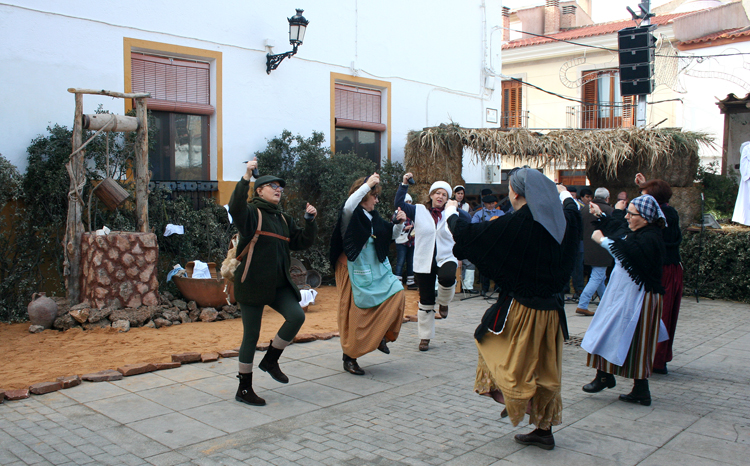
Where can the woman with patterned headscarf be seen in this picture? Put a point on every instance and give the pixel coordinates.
(529, 254)
(622, 337)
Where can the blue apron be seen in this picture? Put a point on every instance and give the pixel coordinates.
(372, 281)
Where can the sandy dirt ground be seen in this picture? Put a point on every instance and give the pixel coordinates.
(30, 358)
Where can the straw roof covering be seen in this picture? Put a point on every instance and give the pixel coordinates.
(670, 154)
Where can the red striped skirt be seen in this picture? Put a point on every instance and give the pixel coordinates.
(640, 359)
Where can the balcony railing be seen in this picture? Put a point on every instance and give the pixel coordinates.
(600, 116)
(514, 119)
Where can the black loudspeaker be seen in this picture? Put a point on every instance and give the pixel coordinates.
(638, 87)
(636, 52)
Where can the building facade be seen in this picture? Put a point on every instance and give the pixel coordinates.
(366, 74)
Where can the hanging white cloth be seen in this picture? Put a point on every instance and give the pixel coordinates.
(742, 206)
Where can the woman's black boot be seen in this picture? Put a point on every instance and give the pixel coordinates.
(245, 393)
(640, 393)
(600, 382)
(270, 364)
(351, 366)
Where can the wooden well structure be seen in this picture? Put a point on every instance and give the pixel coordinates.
(74, 232)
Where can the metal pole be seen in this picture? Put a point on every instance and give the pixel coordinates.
(640, 113)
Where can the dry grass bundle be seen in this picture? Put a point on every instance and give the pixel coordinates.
(670, 154)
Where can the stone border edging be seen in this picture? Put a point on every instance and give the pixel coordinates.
(128, 370)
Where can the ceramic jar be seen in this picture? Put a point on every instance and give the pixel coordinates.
(42, 310)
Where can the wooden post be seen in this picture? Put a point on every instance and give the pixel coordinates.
(141, 166)
(74, 225)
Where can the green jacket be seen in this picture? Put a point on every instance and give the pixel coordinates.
(269, 266)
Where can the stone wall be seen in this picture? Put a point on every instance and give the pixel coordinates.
(119, 270)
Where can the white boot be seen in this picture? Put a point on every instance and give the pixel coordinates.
(426, 321)
(444, 297)
(469, 280)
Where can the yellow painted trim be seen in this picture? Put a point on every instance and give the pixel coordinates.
(382, 85)
(178, 51)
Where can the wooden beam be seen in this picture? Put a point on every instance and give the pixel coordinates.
(141, 166)
(74, 224)
(123, 95)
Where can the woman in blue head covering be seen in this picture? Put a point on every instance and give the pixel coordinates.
(622, 337)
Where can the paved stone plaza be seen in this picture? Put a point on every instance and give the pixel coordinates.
(410, 408)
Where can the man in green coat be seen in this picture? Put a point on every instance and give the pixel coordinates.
(266, 279)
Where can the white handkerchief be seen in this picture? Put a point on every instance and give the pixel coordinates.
(174, 230)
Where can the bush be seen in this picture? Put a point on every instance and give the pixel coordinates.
(720, 268)
(720, 191)
(314, 175)
(19, 260)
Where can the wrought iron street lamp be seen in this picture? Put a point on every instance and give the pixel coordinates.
(297, 28)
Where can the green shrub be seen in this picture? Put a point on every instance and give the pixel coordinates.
(720, 191)
(19, 260)
(314, 175)
(720, 268)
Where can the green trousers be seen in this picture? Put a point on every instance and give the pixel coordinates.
(286, 304)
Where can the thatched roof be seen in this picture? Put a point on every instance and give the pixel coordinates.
(604, 151)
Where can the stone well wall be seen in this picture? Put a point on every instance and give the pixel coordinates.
(119, 269)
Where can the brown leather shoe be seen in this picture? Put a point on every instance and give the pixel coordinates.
(424, 345)
(585, 312)
(537, 438)
(443, 310)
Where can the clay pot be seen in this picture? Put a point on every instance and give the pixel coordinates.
(42, 310)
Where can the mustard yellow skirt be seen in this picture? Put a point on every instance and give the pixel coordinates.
(522, 366)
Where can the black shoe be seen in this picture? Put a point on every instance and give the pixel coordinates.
(384, 347)
(662, 371)
(270, 364)
(245, 393)
(351, 366)
(539, 438)
(639, 394)
(600, 382)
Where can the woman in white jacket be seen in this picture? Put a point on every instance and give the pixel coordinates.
(433, 255)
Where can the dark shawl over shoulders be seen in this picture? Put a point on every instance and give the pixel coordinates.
(641, 253)
(521, 256)
(518, 253)
(357, 233)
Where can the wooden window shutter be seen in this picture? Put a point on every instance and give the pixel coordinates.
(358, 108)
(175, 85)
(590, 108)
(512, 103)
(628, 111)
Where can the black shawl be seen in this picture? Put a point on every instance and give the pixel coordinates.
(523, 258)
(357, 233)
(641, 252)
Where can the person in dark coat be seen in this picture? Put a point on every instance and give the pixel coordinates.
(266, 279)
(672, 271)
(529, 254)
(594, 255)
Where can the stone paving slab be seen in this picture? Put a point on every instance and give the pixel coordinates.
(411, 408)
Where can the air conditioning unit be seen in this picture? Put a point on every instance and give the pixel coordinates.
(492, 174)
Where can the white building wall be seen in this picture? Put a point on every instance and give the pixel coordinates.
(708, 82)
(433, 54)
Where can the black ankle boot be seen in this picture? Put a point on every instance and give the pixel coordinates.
(639, 394)
(351, 366)
(245, 393)
(600, 382)
(270, 364)
(538, 437)
(383, 346)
